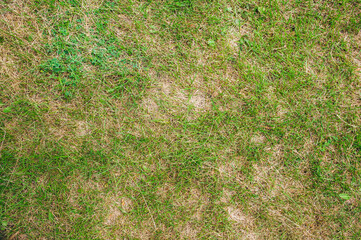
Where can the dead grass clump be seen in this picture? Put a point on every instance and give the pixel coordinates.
(258, 139)
(243, 224)
(117, 208)
(187, 231)
(8, 67)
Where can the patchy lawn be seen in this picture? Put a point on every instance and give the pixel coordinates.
(180, 119)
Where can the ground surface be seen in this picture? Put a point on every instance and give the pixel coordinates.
(180, 119)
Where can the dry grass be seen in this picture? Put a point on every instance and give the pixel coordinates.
(179, 120)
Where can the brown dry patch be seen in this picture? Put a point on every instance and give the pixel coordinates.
(273, 184)
(234, 35)
(357, 39)
(9, 68)
(82, 128)
(228, 169)
(277, 152)
(238, 216)
(243, 223)
(127, 227)
(206, 58)
(98, 122)
(164, 86)
(258, 139)
(193, 196)
(286, 185)
(202, 57)
(123, 26)
(15, 24)
(174, 100)
(17, 20)
(187, 231)
(312, 68)
(271, 180)
(358, 71)
(88, 24)
(114, 215)
(17, 51)
(227, 196)
(200, 101)
(146, 231)
(309, 145)
(261, 172)
(91, 4)
(125, 20)
(165, 190)
(271, 94)
(151, 107)
(159, 48)
(116, 208)
(197, 99)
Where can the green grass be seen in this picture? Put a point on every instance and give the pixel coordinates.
(180, 119)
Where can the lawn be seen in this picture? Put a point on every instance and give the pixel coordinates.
(180, 119)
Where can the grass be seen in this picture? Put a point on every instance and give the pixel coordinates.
(180, 119)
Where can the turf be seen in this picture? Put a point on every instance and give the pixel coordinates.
(180, 119)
